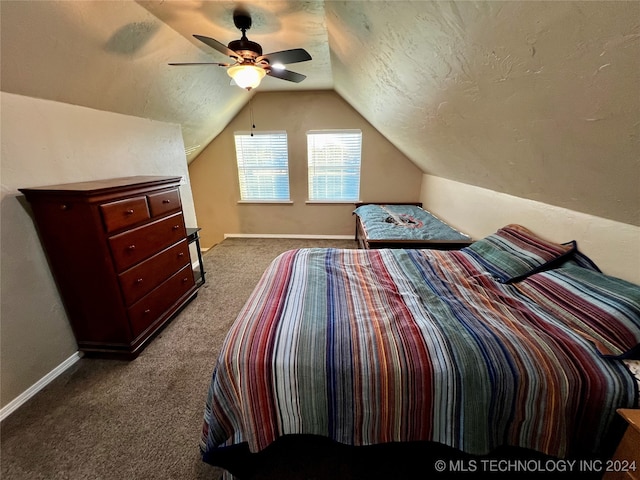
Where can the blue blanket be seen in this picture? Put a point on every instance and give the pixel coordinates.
(404, 222)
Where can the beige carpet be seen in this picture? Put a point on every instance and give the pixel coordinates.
(110, 419)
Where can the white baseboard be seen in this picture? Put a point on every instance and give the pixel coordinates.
(39, 385)
(289, 235)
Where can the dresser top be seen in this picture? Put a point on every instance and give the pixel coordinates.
(632, 416)
(101, 186)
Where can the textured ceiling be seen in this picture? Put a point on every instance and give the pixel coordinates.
(539, 100)
(114, 55)
(536, 99)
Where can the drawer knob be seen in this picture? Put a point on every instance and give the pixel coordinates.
(147, 311)
(139, 281)
(176, 227)
(166, 201)
(131, 247)
(181, 254)
(64, 206)
(185, 280)
(129, 212)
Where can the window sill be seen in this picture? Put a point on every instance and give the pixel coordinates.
(265, 202)
(333, 202)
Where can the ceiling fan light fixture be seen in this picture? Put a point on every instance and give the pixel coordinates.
(246, 76)
(250, 65)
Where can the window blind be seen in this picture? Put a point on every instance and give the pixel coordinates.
(263, 166)
(334, 164)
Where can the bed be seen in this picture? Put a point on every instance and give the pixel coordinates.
(512, 341)
(404, 225)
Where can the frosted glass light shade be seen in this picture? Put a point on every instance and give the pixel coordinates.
(246, 76)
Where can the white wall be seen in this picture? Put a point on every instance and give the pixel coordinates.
(613, 246)
(45, 143)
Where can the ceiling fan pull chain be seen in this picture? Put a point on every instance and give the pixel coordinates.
(253, 125)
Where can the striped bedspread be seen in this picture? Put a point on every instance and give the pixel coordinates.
(373, 346)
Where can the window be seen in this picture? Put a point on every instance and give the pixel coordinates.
(334, 165)
(263, 166)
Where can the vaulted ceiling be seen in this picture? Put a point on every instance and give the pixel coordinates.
(535, 99)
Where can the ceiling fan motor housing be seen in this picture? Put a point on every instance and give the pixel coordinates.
(246, 47)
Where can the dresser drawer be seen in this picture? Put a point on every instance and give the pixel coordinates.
(123, 213)
(144, 277)
(164, 202)
(151, 307)
(135, 245)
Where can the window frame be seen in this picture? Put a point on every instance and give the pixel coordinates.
(310, 167)
(242, 168)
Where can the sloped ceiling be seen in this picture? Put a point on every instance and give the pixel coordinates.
(114, 55)
(536, 99)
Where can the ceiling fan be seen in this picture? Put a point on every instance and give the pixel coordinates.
(250, 65)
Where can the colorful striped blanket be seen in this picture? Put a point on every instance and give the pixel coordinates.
(374, 346)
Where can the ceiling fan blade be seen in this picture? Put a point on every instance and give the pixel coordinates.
(286, 56)
(287, 75)
(218, 46)
(200, 63)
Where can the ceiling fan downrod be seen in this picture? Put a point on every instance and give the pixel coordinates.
(244, 46)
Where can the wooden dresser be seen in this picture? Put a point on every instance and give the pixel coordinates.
(119, 253)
